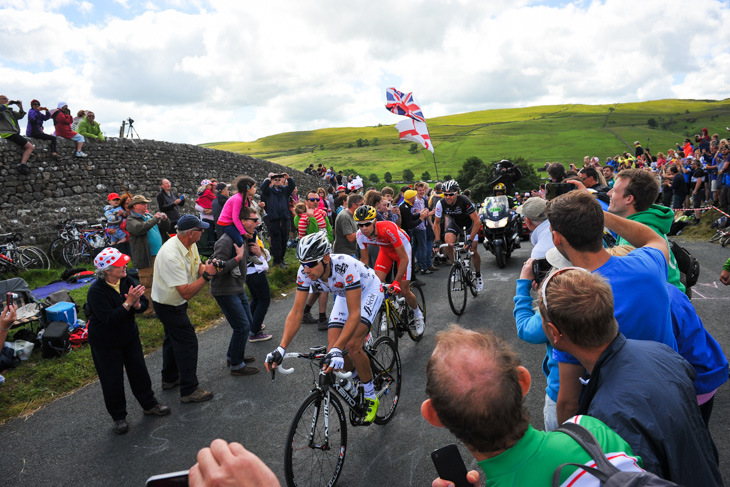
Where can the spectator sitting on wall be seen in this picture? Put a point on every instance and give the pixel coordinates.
(62, 121)
(35, 124)
(10, 130)
(77, 119)
(90, 129)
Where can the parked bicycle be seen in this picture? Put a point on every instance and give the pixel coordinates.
(24, 257)
(396, 317)
(316, 444)
(83, 249)
(68, 230)
(461, 277)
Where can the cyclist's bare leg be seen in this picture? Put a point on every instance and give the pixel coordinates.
(356, 354)
(450, 238)
(476, 259)
(405, 291)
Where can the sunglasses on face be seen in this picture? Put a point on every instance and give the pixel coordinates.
(313, 199)
(311, 265)
(449, 194)
(252, 219)
(366, 224)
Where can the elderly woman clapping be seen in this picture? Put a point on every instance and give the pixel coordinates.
(113, 301)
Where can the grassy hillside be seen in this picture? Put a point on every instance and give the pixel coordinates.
(564, 133)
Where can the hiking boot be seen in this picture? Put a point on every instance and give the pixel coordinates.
(308, 319)
(158, 410)
(170, 385)
(198, 395)
(371, 408)
(121, 426)
(245, 370)
(81, 154)
(259, 337)
(322, 325)
(24, 169)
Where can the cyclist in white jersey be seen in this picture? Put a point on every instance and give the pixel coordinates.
(358, 295)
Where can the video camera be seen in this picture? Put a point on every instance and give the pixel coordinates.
(540, 269)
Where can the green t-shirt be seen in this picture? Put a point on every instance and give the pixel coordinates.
(533, 459)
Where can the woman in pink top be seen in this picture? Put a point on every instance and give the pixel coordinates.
(230, 219)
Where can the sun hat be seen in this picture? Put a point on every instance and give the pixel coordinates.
(137, 199)
(110, 257)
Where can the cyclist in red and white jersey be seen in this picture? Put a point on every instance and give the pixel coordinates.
(394, 247)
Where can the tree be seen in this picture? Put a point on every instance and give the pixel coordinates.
(652, 123)
(467, 172)
(359, 142)
(375, 141)
(408, 176)
(481, 180)
(321, 146)
(448, 177)
(414, 148)
(374, 178)
(387, 177)
(425, 176)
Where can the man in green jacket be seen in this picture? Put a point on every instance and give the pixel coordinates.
(632, 197)
(90, 129)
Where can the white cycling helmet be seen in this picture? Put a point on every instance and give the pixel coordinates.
(313, 247)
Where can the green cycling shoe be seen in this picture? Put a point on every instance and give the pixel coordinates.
(372, 409)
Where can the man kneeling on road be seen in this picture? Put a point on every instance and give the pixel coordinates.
(357, 297)
(475, 386)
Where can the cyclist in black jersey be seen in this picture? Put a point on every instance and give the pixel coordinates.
(459, 212)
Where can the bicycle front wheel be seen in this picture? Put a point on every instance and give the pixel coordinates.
(34, 258)
(457, 290)
(385, 324)
(717, 236)
(418, 293)
(314, 453)
(385, 364)
(77, 252)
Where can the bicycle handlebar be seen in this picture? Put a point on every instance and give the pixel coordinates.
(285, 371)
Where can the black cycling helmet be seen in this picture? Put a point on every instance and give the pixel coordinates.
(365, 213)
(450, 186)
(313, 247)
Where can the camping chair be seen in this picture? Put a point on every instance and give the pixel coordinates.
(30, 309)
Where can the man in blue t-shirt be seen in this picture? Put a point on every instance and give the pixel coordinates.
(638, 280)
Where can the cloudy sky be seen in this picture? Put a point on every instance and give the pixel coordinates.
(199, 71)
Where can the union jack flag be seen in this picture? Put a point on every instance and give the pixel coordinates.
(401, 104)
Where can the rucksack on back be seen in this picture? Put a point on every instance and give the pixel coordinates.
(605, 471)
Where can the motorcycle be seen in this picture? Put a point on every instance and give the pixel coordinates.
(501, 226)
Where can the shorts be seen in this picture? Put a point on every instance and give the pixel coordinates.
(713, 185)
(698, 198)
(18, 139)
(369, 306)
(77, 138)
(387, 257)
(457, 230)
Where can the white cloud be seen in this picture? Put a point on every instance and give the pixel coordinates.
(194, 71)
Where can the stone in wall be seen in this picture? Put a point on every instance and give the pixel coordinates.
(71, 188)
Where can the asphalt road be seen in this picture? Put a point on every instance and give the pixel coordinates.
(71, 441)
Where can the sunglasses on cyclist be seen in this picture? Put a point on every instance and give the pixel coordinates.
(313, 199)
(449, 194)
(311, 265)
(366, 224)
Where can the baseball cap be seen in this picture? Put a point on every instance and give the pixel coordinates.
(112, 196)
(409, 194)
(556, 259)
(534, 209)
(186, 222)
(340, 189)
(110, 257)
(205, 182)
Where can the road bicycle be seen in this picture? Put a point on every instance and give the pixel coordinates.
(461, 277)
(83, 249)
(316, 443)
(25, 257)
(722, 235)
(68, 230)
(395, 316)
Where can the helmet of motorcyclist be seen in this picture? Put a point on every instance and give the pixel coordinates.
(313, 247)
(450, 186)
(365, 213)
(499, 188)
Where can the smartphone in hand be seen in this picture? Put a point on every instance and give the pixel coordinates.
(450, 466)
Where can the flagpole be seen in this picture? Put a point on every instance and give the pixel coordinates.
(434, 165)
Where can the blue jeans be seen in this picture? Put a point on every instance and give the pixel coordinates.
(258, 286)
(429, 244)
(419, 252)
(236, 310)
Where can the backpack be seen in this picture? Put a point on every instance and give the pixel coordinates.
(686, 263)
(605, 471)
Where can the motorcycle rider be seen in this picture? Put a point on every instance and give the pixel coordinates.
(459, 212)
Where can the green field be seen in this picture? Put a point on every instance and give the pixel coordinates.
(563, 133)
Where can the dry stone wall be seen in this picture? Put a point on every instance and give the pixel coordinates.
(76, 188)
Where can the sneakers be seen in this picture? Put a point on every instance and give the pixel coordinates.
(323, 325)
(426, 271)
(245, 370)
(24, 169)
(121, 426)
(158, 410)
(433, 268)
(198, 395)
(81, 154)
(371, 406)
(170, 385)
(308, 319)
(479, 283)
(259, 337)
(417, 325)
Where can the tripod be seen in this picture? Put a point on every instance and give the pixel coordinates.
(131, 131)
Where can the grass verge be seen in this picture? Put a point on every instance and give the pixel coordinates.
(36, 382)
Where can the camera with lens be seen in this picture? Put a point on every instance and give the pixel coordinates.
(540, 269)
(217, 263)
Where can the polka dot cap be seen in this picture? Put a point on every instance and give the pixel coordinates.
(110, 257)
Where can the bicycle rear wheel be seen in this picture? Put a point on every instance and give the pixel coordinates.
(385, 364)
(724, 241)
(77, 252)
(314, 455)
(457, 290)
(717, 236)
(382, 319)
(34, 258)
(55, 251)
(418, 293)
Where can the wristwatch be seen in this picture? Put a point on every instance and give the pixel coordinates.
(126, 305)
